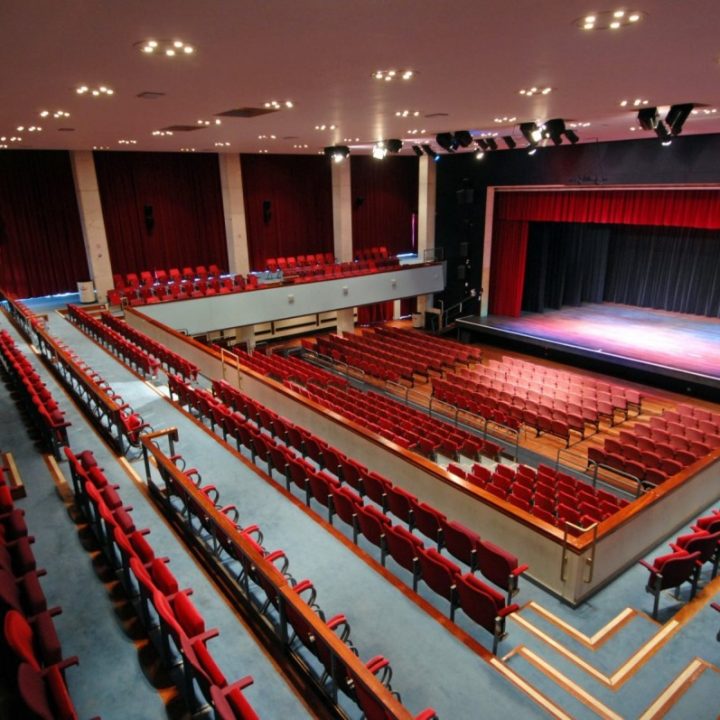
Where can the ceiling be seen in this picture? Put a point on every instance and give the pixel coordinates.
(470, 57)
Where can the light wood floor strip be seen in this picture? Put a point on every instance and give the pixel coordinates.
(678, 687)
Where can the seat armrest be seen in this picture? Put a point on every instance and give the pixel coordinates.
(519, 570)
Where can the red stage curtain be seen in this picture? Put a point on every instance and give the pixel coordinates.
(288, 206)
(41, 243)
(385, 197)
(182, 195)
(669, 208)
(507, 270)
(375, 313)
(408, 306)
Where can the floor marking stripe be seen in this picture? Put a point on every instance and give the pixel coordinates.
(570, 686)
(599, 637)
(672, 693)
(529, 690)
(620, 675)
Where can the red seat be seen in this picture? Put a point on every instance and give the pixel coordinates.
(485, 606)
(440, 574)
(372, 524)
(704, 542)
(461, 543)
(404, 548)
(500, 567)
(671, 571)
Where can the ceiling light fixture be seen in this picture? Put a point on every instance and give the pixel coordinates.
(663, 133)
(407, 113)
(164, 46)
(505, 120)
(491, 143)
(99, 91)
(648, 118)
(531, 132)
(161, 133)
(509, 141)
(325, 127)
(609, 20)
(677, 116)
(571, 135)
(390, 75)
(275, 105)
(393, 145)
(447, 141)
(337, 153)
(379, 151)
(554, 130)
(535, 91)
(431, 153)
(479, 154)
(464, 138)
(417, 150)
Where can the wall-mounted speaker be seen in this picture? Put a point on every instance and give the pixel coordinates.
(464, 249)
(461, 272)
(149, 218)
(267, 211)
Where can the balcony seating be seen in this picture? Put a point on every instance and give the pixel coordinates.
(704, 542)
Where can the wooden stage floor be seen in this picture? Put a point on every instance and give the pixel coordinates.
(673, 350)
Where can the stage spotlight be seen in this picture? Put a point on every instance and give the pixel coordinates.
(508, 140)
(446, 141)
(648, 118)
(663, 133)
(492, 145)
(379, 151)
(430, 152)
(479, 155)
(677, 116)
(464, 138)
(554, 130)
(571, 135)
(482, 144)
(531, 132)
(417, 150)
(393, 145)
(532, 149)
(337, 152)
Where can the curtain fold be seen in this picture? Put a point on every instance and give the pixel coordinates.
(288, 206)
(42, 250)
(375, 313)
(507, 271)
(161, 210)
(669, 208)
(385, 203)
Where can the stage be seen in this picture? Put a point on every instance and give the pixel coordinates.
(655, 347)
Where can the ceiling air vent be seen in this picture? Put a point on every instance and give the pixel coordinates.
(66, 129)
(150, 95)
(246, 112)
(182, 128)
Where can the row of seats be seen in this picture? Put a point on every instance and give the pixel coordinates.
(383, 366)
(189, 499)
(156, 595)
(626, 398)
(693, 430)
(342, 485)
(32, 654)
(455, 352)
(117, 420)
(548, 494)
(170, 360)
(119, 345)
(684, 564)
(291, 262)
(173, 275)
(286, 368)
(647, 437)
(404, 425)
(686, 411)
(437, 359)
(41, 406)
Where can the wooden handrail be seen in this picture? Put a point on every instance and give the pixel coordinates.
(283, 588)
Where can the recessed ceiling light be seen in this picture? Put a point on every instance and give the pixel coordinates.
(487, 133)
(162, 133)
(275, 105)
(504, 120)
(127, 142)
(609, 19)
(10, 139)
(300, 147)
(100, 147)
(263, 151)
(390, 75)
(185, 149)
(207, 123)
(325, 127)
(416, 131)
(101, 90)
(349, 140)
(222, 144)
(637, 102)
(29, 128)
(529, 92)
(704, 111)
(407, 113)
(267, 137)
(164, 46)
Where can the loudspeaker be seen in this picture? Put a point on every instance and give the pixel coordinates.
(465, 196)
(267, 211)
(149, 218)
(461, 272)
(464, 249)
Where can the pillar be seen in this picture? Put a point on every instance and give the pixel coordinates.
(346, 321)
(234, 211)
(91, 220)
(342, 211)
(487, 252)
(426, 217)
